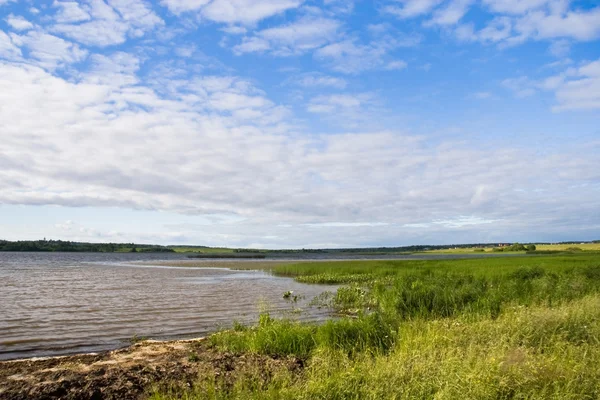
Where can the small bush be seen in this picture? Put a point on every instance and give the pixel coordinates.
(574, 249)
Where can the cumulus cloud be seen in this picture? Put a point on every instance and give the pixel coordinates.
(542, 22)
(108, 23)
(49, 51)
(70, 11)
(8, 49)
(151, 124)
(576, 88)
(580, 88)
(183, 157)
(18, 23)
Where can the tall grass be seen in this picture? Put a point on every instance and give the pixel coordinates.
(511, 328)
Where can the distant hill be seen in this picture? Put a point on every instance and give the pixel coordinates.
(67, 246)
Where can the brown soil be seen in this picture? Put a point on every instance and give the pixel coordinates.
(130, 373)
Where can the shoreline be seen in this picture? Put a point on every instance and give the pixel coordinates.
(132, 372)
(101, 352)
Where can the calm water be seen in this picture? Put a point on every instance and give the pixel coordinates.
(62, 303)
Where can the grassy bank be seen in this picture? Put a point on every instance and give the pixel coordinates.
(502, 328)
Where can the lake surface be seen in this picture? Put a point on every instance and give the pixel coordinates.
(64, 303)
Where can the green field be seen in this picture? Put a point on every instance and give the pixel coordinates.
(560, 247)
(540, 247)
(497, 328)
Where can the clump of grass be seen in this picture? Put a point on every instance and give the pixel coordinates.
(137, 339)
(271, 336)
(280, 337)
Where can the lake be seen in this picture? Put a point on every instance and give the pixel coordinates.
(64, 303)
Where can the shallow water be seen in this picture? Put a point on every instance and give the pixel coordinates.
(63, 303)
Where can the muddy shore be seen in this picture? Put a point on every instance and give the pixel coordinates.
(130, 373)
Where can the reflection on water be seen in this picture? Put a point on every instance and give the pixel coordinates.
(57, 303)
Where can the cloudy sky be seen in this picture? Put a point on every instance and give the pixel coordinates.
(299, 123)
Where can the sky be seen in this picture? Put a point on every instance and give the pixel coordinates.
(298, 123)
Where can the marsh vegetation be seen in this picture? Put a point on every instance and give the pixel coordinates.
(497, 328)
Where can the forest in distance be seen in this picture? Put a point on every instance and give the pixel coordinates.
(71, 246)
(82, 247)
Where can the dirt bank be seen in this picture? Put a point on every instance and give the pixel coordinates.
(130, 373)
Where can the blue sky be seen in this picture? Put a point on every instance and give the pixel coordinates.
(291, 123)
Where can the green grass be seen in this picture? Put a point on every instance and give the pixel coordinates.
(542, 247)
(559, 247)
(499, 328)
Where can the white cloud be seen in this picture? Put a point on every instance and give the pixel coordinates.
(118, 69)
(192, 152)
(247, 12)
(111, 23)
(234, 30)
(49, 51)
(181, 6)
(515, 6)
(298, 37)
(252, 45)
(574, 89)
(451, 13)
(497, 30)
(185, 51)
(538, 25)
(396, 65)
(560, 48)
(578, 25)
(70, 11)
(541, 20)
(335, 103)
(18, 23)
(95, 33)
(319, 80)
(411, 8)
(521, 86)
(8, 49)
(348, 56)
(339, 6)
(182, 134)
(580, 89)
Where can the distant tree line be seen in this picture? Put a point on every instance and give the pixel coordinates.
(398, 249)
(67, 246)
